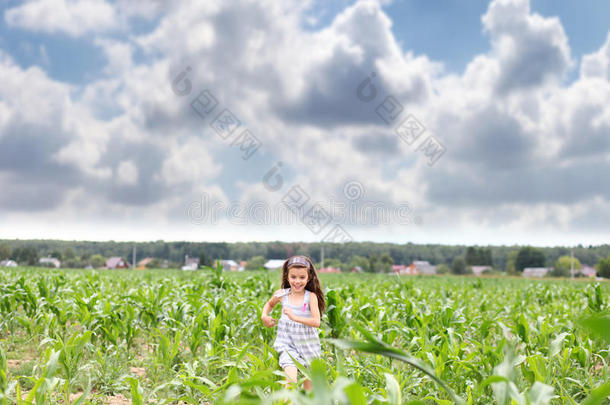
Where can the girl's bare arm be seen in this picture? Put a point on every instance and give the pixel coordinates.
(267, 308)
(269, 305)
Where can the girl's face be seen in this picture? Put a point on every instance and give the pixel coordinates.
(298, 278)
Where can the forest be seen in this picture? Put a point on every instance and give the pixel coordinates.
(28, 251)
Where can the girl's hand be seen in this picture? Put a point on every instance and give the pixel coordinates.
(268, 321)
(289, 313)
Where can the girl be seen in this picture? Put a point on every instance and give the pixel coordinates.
(303, 302)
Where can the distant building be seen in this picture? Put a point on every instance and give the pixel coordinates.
(190, 263)
(586, 271)
(188, 267)
(479, 270)
(399, 268)
(231, 265)
(8, 263)
(403, 269)
(274, 264)
(144, 262)
(535, 271)
(46, 261)
(329, 270)
(424, 267)
(357, 269)
(116, 263)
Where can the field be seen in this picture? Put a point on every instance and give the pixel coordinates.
(195, 337)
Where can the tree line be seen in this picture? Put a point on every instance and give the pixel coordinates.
(370, 256)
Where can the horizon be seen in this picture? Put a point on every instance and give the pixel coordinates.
(296, 241)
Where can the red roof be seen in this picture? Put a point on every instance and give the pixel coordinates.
(329, 270)
(145, 261)
(116, 263)
(404, 269)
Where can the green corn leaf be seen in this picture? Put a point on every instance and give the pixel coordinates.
(598, 325)
(598, 396)
(136, 395)
(392, 389)
(374, 346)
(355, 394)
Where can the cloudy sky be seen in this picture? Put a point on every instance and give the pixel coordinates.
(482, 122)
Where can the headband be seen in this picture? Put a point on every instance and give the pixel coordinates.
(297, 260)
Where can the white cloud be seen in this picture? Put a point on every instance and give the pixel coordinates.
(127, 173)
(189, 163)
(32, 95)
(531, 50)
(72, 17)
(119, 55)
(170, 35)
(597, 64)
(147, 9)
(87, 144)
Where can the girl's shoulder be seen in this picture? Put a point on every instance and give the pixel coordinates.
(281, 292)
(312, 295)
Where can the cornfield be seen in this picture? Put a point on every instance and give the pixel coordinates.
(160, 336)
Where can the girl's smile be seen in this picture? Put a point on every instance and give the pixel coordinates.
(298, 278)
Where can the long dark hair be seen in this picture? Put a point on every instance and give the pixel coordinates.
(313, 283)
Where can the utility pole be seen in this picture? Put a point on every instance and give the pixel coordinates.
(572, 263)
(133, 266)
(322, 259)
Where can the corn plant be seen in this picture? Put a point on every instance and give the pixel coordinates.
(71, 351)
(44, 385)
(6, 386)
(167, 336)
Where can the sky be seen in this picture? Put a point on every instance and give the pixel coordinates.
(479, 122)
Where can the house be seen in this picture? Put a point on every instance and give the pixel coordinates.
(586, 271)
(357, 269)
(399, 268)
(479, 270)
(8, 263)
(190, 266)
(535, 271)
(144, 262)
(50, 261)
(404, 269)
(424, 267)
(329, 270)
(274, 264)
(231, 265)
(116, 263)
(188, 261)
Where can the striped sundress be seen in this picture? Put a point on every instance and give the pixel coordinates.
(301, 341)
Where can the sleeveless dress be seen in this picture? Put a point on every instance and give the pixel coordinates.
(301, 341)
